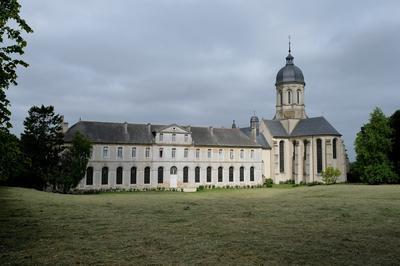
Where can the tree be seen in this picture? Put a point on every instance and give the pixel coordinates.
(372, 145)
(12, 44)
(11, 157)
(42, 142)
(74, 161)
(330, 175)
(394, 155)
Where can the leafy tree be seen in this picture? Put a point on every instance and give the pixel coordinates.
(74, 161)
(372, 145)
(11, 156)
(42, 142)
(394, 155)
(12, 43)
(330, 175)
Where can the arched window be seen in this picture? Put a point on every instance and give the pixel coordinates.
(160, 175)
(173, 170)
(252, 173)
(334, 148)
(298, 96)
(231, 174)
(282, 156)
(185, 174)
(241, 176)
(104, 176)
(147, 175)
(119, 176)
(209, 174)
(133, 175)
(289, 97)
(197, 174)
(319, 156)
(89, 176)
(220, 174)
(280, 98)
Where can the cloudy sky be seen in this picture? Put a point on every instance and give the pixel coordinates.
(207, 62)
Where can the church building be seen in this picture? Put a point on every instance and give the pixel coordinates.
(289, 147)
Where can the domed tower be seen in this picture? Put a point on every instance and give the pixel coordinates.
(290, 91)
(255, 126)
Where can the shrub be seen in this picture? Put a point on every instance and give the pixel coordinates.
(330, 175)
(268, 182)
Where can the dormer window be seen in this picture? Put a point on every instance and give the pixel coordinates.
(186, 137)
(161, 137)
(173, 137)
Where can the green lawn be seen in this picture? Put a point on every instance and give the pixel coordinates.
(338, 224)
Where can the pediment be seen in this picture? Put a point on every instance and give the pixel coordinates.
(174, 128)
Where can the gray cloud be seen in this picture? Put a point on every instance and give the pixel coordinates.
(207, 62)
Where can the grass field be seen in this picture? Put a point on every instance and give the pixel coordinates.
(320, 225)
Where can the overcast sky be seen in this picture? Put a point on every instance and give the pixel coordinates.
(207, 62)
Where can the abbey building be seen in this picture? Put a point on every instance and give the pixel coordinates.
(290, 146)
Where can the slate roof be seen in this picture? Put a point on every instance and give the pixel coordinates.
(260, 138)
(114, 133)
(315, 126)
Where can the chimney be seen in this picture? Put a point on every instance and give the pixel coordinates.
(233, 124)
(64, 125)
(125, 127)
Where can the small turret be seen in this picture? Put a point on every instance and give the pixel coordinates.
(233, 124)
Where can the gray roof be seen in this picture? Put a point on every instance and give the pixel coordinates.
(114, 133)
(276, 128)
(315, 126)
(260, 138)
(290, 73)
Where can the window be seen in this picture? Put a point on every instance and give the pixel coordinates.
(161, 137)
(119, 152)
(298, 96)
(185, 174)
(119, 176)
(173, 137)
(160, 175)
(241, 176)
(89, 176)
(252, 154)
(220, 174)
(221, 154)
(160, 152)
(197, 174)
(280, 98)
(173, 170)
(147, 152)
(186, 137)
(209, 174)
(289, 97)
(133, 175)
(197, 153)
(282, 156)
(104, 176)
(231, 174)
(252, 173)
(231, 154)
(173, 153)
(209, 153)
(91, 153)
(147, 175)
(241, 154)
(105, 152)
(133, 152)
(319, 156)
(186, 152)
(334, 148)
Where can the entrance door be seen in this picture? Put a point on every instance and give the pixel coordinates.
(173, 179)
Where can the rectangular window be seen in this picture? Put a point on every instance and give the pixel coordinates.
(197, 153)
(221, 154)
(133, 152)
(186, 137)
(252, 154)
(161, 137)
(186, 153)
(173, 137)
(147, 152)
(160, 175)
(160, 153)
(209, 153)
(173, 153)
(119, 152)
(252, 173)
(105, 152)
(242, 154)
(231, 154)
